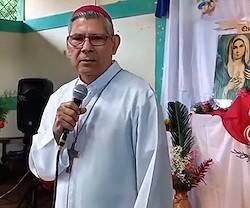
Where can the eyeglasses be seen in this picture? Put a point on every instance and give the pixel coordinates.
(77, 40)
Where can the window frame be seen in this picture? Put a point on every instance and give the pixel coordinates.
(20, 11)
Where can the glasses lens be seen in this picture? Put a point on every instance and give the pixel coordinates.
(96, 40)
(76, 40)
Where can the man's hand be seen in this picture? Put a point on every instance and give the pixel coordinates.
(67, 116)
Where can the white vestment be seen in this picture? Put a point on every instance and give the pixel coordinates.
(123, 155)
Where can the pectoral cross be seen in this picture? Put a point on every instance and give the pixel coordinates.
(72, 155)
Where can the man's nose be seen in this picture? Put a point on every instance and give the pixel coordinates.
(86, 45)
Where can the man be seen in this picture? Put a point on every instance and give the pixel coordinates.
(122, 157)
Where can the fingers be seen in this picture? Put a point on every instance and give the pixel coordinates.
(67, 116)
(82, 110)
(68, 113)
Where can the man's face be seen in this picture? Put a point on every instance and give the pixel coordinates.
(89, 60)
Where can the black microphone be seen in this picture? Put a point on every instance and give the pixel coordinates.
(79, 93)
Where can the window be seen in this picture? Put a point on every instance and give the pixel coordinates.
(10, 9)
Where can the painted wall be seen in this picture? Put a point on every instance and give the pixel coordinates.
(36, 9)
(10, 60)
(137, 49)
(44, 59)
(44, 50)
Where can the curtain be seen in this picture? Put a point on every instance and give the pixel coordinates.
(191, 49)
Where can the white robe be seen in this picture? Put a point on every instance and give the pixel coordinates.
(123, 155)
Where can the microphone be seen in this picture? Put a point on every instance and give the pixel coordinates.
(79, 93)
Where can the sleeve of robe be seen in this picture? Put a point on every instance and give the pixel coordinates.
(42, 156)
(154, 184)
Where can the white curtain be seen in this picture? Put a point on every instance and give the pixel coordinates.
(227, 180)
(191, 48)
(188, 77)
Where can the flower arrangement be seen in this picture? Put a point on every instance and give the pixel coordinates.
(4, 108)
(185, 173)
(205, 107)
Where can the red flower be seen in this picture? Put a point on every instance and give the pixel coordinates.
(190, 166)
(2, 124)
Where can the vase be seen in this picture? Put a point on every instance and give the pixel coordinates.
(181, 200)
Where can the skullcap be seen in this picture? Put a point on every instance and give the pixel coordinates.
(94, 8)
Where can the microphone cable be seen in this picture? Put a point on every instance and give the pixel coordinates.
(79, 93)
(15, 186)
(56, 176)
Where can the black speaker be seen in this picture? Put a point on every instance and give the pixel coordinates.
(32, 97)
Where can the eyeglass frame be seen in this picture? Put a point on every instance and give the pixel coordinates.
(88, 36)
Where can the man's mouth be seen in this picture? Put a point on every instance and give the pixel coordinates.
(87, 60)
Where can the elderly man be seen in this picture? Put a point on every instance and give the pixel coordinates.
(117, 132)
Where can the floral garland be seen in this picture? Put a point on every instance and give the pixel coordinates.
(205, 107)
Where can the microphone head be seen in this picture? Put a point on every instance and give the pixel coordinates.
(80, 92)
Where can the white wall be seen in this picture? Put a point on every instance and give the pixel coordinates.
(136, 52)
(137, 49)
(11, 60)
(46, 60)
(36, 9)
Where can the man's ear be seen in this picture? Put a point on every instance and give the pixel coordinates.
(116, 41)
(67, 51)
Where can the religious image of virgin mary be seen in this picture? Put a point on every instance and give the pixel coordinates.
(232, 70)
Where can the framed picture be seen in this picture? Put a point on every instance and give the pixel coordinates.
(232, 65)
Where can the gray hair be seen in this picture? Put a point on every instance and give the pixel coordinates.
(92, 15)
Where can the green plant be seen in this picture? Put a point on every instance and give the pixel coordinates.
(185, 173)
(4, 107)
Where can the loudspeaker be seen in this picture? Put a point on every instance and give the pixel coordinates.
(32, 96)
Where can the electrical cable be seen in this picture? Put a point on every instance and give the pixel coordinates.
(56, 178)
(15, 186)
